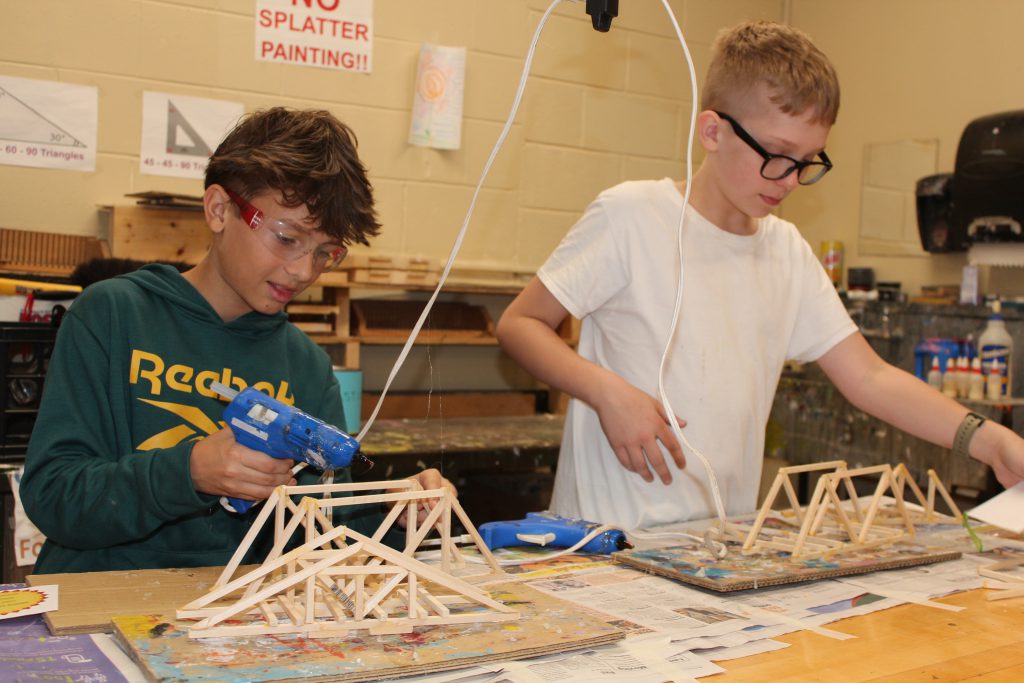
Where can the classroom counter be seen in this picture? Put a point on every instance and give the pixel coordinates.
(503, 467)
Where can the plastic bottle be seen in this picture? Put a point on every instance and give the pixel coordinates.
(949, 379)
(996, 344)
(977, 383)
(963, 377)
(935, 374)
(994, 382)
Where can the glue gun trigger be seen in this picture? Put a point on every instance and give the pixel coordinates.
(536, 539)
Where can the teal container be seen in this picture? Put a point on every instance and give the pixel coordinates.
(351, 385)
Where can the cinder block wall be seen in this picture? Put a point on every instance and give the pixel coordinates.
(600, 108)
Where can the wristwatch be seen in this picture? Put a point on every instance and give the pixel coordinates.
(965, 432)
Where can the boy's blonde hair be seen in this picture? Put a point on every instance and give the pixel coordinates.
(798, 76)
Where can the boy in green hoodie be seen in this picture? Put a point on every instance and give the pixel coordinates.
(128, 459)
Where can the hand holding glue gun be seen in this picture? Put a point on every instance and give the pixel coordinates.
(261, 423)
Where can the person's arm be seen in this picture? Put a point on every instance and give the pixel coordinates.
(84, 487)
(632, 420)
(88, 483)
(902, 400)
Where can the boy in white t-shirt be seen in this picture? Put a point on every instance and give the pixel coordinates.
(754, 296)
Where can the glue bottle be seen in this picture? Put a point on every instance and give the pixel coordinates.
(949, 379)
(935, 374)
(963, 377)
(996, 346)
(977, 386)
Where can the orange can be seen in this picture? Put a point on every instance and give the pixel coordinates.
(832, 260)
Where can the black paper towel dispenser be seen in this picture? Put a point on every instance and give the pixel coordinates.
(983, 200)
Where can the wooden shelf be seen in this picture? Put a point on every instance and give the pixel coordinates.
(431, 340)
(421, 340)
(340, 278)
(331, 321)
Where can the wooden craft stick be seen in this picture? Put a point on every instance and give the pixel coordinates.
(308, 489)
(271, 590)
(814, 467)
(811, 513)
(383, 592)
(766, 507)
(794, 500)
(250, 536)
(481, 547)
(934, 483)
(435, 575)
(281, 539)
(259, 572)
(1006, 594)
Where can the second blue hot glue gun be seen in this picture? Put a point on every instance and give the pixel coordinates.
(282, 431)
(547, 529)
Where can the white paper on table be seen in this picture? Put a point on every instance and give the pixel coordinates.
(752, 648)
(611, 661)
(1005, 510)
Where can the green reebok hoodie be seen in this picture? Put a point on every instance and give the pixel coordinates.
(127, 395)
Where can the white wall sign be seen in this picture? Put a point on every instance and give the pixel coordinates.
(331, 34)
(48, 124)
(437, 102)
(179, 133)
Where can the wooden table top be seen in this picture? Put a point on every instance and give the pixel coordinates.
(984, 642)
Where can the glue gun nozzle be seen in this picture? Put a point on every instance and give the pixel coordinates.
(363, 460)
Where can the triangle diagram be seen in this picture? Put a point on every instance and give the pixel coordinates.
(21, 123)
(182, 137)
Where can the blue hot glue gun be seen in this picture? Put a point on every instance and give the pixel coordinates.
(281, 431)
(545, 528)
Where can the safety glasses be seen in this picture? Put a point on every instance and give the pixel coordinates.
(285, 240)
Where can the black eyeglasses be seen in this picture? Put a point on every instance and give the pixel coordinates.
(778, 166)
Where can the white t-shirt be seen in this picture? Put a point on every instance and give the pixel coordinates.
(750, 303)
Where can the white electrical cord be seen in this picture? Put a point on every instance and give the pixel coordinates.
(717, 548)
(465, 223)
(720, 509)
(712, 480)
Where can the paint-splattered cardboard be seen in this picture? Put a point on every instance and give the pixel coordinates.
(162, 648)
(695, 565)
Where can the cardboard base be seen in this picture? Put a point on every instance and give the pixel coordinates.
(89, 600)
(162, 648)
(696, 566)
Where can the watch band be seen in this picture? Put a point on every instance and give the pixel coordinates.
(965, 432)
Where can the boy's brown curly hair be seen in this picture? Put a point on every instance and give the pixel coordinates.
(310, 157)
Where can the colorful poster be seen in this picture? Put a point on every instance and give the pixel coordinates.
(330, 34)
(179, 133)
(437, 101)
(22, 602)
(48, 124)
